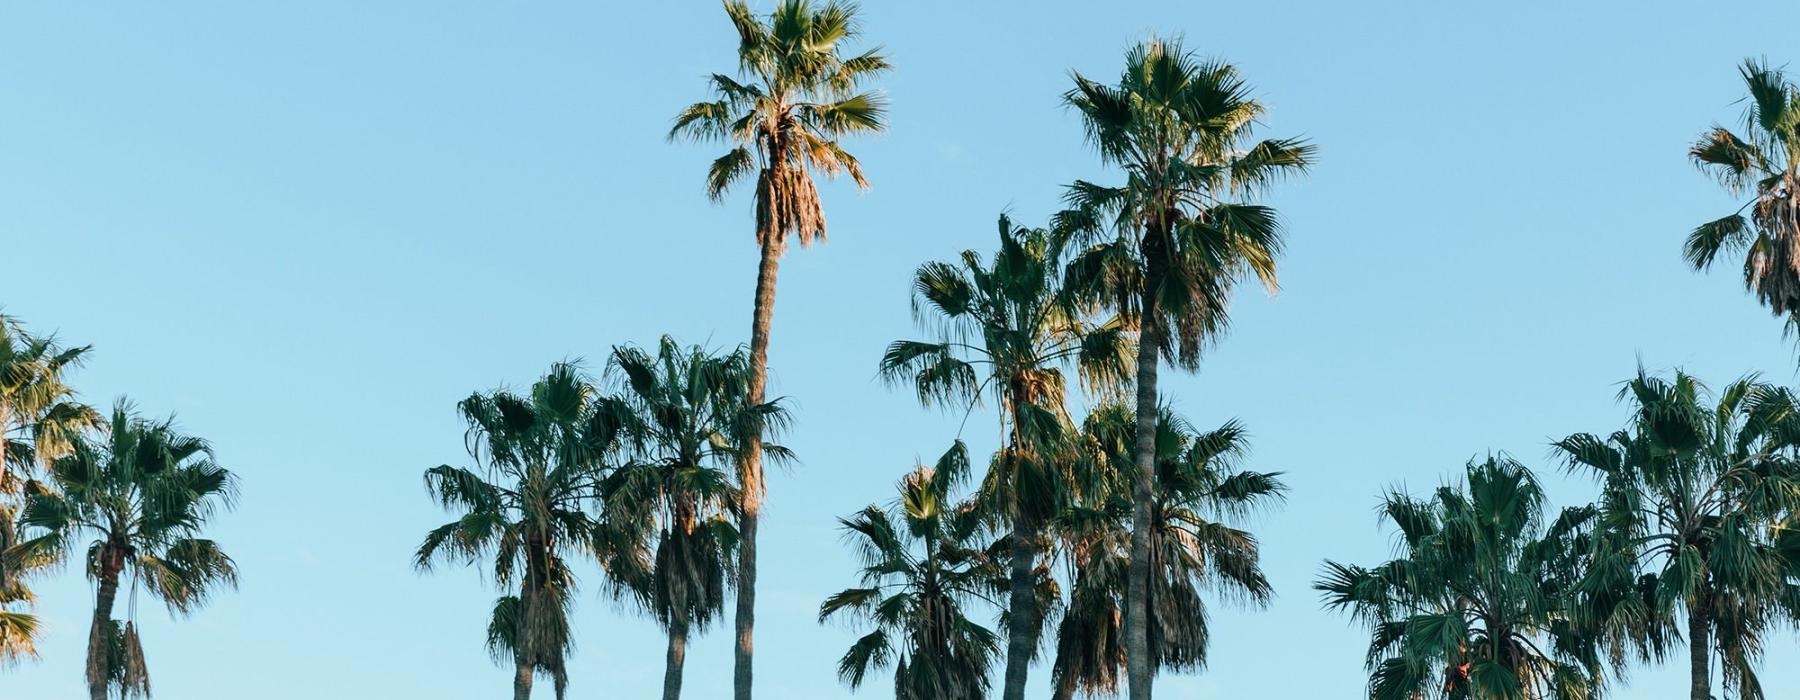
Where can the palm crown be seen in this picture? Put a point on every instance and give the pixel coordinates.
(540, 456)
(1763, 163)
(1478, 605)
(799, 98)
(1694, 506)
(1180, 128)
(922, 567)
(1197, 545)
(1010, 327)
(39, 416)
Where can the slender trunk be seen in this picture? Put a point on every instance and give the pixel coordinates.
(678, 634)
(1700, 647)
(1139, 667)
(1022, 613)
(522, 678)
(112, 561)
(531, 594)
(750, 472)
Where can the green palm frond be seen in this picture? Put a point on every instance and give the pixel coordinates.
(1479, 603)
(919, 579)
(1179, 127)
(140, 494)
(1693, 494)
(1198, 549)
(540, 456)
(795, 95)
(1763, 160)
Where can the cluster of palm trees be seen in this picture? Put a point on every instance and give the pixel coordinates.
(1130, 274)
(1112, 527)
(633, 471)
(1104, 525)
(1691, 539)
(131, 494)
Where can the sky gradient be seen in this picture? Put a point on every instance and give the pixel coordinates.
(308, 229)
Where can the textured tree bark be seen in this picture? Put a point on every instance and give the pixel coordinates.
(1022, 613)
(677, 657)
(522, 678)
(112, 561)
(750, 472)
(1700, 648)
(1140, 669)
(537, 571)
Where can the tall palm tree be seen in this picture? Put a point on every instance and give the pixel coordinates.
(1478, 605)
(1007, 326)
(1167, 247)
(800, 95)
(141, 493)
(540, 458)
(686, 422)
(1696, 502)
(1764, 164)
(39, 418)
(923, 567)
(1195, 545)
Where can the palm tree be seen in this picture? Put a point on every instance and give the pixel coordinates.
(687, 422)
(923, 566)
(1195, 546)
(1009, 327)
(1167, 247)
(784, 123)
(1764, 164)
(39, 417)
(1696, 497)
(1479, 603)
(143, 492)
(541, 457)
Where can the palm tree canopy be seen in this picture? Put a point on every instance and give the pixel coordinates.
(1479, 603)
(923, 566)
(1763, 163)
(1181, 129)
(141, 493)
(526, 506)
(796, 95)
(1008, 326)
(39, 420)
(39, 416)
(685, 418)
(1201, 494)
(146, 488)
(1696, 494)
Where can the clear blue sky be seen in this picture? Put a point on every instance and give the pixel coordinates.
(309, 228)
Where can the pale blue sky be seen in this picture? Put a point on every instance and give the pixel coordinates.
(309, 228)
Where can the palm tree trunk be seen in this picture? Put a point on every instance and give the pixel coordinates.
(750, 472)
(1022, 617)
(678, 634)
(112, 561)
(1700, 647)
(1139, 667)
(522, 678)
